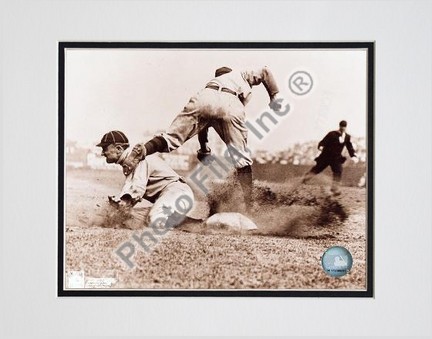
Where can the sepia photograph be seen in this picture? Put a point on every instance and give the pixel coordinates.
(216, 169)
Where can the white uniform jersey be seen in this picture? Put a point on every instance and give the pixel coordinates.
(241, 82)
(149, 178)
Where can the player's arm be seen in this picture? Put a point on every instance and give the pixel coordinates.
(350, 147)
(135, 184)
(324, 142)
(265, 76)
(269, 82)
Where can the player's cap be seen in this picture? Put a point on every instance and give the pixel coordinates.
(343, 123)
(222, 70)
(113, 137)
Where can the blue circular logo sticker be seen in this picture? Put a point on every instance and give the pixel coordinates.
(337, 261)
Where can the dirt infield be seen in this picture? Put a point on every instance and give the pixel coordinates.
(295, 226)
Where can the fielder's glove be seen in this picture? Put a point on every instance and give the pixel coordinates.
(132, 160)
(276, 104)
(205, 156)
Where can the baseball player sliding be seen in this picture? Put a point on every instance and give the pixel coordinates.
(221, 105)
(331, 155)
(152, 180)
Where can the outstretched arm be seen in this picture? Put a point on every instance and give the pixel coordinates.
(136, 183)
(265, 76)
(269, 82)
(324, 142)
(134, 188)
(350, 147)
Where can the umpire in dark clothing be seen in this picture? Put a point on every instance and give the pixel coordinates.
(332, 146)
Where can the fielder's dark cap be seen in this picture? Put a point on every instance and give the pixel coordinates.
(343, 123)
(222, 70)
(113, 137)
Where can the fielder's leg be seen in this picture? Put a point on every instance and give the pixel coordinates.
(336, 167)
(195, 117)
(321, 165)
(203, 140)
(186, 124)
(244, 176)
(232, 130)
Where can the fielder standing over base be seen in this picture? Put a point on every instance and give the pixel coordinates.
(152, 180)
(331, 148)
(221, 105)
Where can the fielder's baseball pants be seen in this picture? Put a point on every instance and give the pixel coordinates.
(211, 108)
(335, 165)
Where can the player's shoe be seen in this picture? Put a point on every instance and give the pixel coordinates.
(336, 191)
(205, 156)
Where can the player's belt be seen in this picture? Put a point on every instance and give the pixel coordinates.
(222, 89)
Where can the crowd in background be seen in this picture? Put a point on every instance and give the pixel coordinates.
(298, 154)
(305, 153)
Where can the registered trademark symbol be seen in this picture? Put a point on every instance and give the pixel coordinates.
(300, 83)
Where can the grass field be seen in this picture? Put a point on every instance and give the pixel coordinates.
(294, 229)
